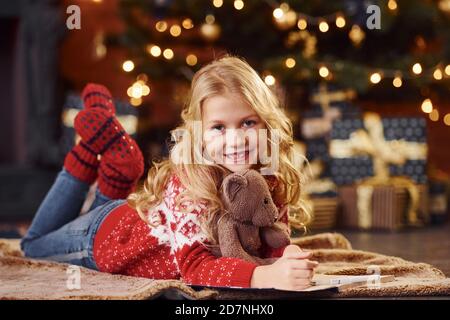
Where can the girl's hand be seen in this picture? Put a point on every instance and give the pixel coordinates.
(292, 271)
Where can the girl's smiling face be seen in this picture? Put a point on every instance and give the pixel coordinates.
(230, 132)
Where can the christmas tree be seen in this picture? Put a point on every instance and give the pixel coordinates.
(399, 48)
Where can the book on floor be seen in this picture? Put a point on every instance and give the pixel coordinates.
(322, 282)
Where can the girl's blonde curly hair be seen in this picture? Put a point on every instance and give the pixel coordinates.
(226, 75)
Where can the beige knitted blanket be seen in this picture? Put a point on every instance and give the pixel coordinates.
(23, 278)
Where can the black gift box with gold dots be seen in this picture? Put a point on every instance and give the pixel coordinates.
(401, 139)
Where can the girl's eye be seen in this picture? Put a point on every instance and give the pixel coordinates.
(218, 127)
(249, 123)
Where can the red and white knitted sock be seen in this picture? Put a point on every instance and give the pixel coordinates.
(82, 163)
(121, 162)
(98, 96)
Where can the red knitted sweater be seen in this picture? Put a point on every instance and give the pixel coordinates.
(174, 249)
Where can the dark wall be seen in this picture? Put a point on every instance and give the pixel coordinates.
(9, 145)
(30, 34)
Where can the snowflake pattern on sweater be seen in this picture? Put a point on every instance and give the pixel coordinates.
(172, 249)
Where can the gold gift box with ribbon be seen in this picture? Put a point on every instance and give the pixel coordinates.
(381, 201)
(382, 207)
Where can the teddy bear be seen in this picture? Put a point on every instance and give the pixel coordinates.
(249, 216)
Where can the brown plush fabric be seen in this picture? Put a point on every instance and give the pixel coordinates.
(323, 241)
(24, 278)
(249, 212)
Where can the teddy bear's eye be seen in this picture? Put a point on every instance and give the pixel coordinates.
(266, 200)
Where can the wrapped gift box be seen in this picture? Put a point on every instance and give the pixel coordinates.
(322, 200)
(381, 207)
(317, 148)
(327, 98)
(328, 103)
(324, 209)
(324, 212)
(358, 146)
(318, 193)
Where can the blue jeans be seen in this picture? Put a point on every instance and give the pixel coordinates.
(58, 232)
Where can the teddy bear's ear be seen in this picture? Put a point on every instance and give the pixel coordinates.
(232, 184)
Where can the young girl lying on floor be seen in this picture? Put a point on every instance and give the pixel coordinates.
(165, 230)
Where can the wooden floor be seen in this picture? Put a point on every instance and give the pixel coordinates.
(430, 244)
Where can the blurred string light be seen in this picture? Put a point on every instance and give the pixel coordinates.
(392, 5)
(210, 19)
(269, 80)
(397, 82)
(161, 26)
(356, 35)
(290, 63)
(302, 24)
(281, 12)
(427, 106)
(168, 53)
(447, 70)
(217, 3)
(210, 30)
(135, 102)
(154, 50)
(375, 77)
(447, 119)
(238, 4)
(323, 26)
(278, 13)
(437, 74)
(128, 66)
(434, 115)
(338, 18)
(191, 59)
(340, 21)
(175, 30)
(324, 72)
(138, 90)
(187, 24)
(417, 68)
(285, 17)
